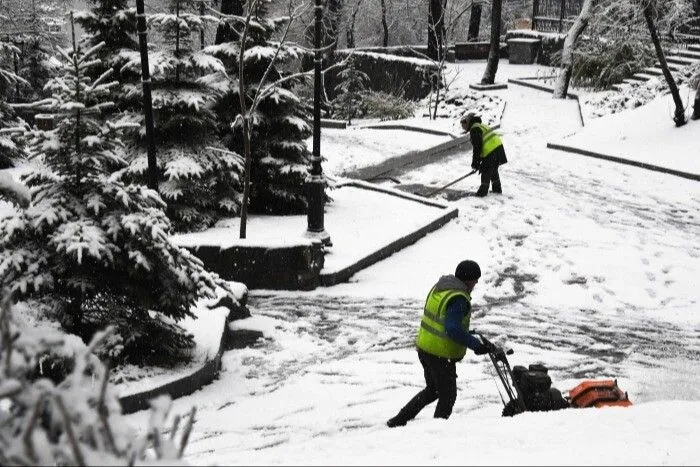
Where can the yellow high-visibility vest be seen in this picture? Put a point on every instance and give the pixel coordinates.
(431, 333)
(490, 139)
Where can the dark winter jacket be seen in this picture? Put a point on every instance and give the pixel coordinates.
(498, 156)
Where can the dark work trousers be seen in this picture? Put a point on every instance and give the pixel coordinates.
(489, 176)
(440, 384)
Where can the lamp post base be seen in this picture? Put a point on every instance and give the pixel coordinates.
(323, 236)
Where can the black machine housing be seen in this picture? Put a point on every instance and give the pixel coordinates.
(528, 389)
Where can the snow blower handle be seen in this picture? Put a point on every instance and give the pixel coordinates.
(491, 347)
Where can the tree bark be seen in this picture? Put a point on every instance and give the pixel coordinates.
(679, 113)
(436, 28)
(495, 50)
(225, 33)
(696, 103)
(350, 31)
(385, 26)
(474, 22)
(567, 54)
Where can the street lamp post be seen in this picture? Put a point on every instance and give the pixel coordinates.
(315, 192)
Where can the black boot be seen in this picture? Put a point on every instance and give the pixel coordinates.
(482, 191)
(496, 188)
(395, 421)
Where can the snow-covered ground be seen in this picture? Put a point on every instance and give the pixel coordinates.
(589, 266)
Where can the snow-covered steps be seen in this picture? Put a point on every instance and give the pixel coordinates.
(689, 53)
(680, 61)
(653, 70)
(643, 76)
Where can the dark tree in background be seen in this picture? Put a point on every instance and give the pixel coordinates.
(224, 32)
(474, 22)
(436, 28)
(494, 52)
(10, 143)
(650, 13)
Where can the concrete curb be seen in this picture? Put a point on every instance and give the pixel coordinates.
(391, 126)
(343, 275)
(184, 386)
(542, 87)
(597, 155)
(621, 160)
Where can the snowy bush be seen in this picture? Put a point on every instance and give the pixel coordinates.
(459, 102)
(76, 420)
(199, 179)
(93, 248)
(377, 104)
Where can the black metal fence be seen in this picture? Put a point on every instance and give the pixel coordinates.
(554, 15)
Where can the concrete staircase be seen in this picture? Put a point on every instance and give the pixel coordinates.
(677, 59)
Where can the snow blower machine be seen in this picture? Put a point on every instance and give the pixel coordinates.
(530, 389)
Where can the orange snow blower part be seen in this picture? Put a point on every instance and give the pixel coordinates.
(598, 393)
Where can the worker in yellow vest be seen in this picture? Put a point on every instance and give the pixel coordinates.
(487, 153)
(443, 339)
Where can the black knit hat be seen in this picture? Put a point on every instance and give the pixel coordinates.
(469, 119)
(468, 270)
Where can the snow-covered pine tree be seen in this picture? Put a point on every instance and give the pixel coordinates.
(350, 89)
(10, 125)
(200, 179)
(114, 23)
(279, 123)
(77, 420)
(93, 247)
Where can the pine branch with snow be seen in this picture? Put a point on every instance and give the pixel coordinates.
(112, 22)
(94, 247)
(199, 178)
(278, 118)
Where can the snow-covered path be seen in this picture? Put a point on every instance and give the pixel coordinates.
(588, 266)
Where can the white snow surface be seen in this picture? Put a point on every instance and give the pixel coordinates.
(590, 267)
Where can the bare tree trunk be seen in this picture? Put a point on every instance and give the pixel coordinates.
(679, 114)
(567, 54)
(495, 50)
(696, 103)
(385, 26)
(350, 31)
(225, 33)
(436, 28)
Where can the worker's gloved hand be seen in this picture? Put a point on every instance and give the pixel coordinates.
(492, 348)
(481, 350)
(476, 164)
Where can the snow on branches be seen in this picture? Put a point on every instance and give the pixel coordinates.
(76, 419)
(92, 246)
(199, 179)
